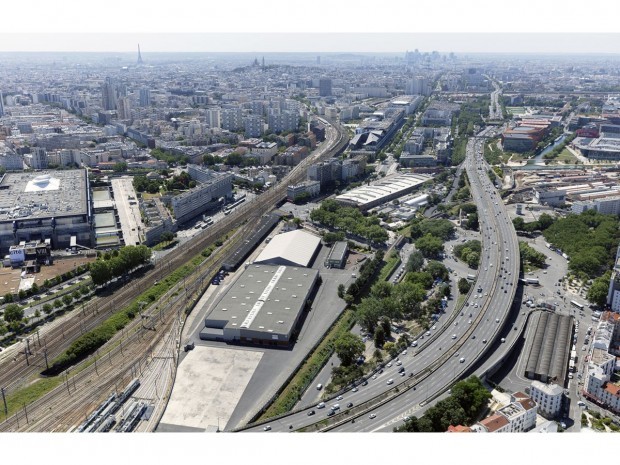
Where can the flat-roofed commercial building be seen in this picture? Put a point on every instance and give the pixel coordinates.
(337, 257)
(262, 307)
(389, 188)
(294, 248)
(51, 205)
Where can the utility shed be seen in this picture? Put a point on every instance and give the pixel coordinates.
(295, 248)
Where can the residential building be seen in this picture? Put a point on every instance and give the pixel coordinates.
(518, 416)
(254, 126)
(312, 188)
(264, 151)
(548, 397)
(213, 118)
(123, 108)
(232, 119)
(38, 160)
(283, 120)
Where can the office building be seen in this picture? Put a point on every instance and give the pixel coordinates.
(203, 197)
(123, 108)
(325, 87)
(108, 94)
(145, 97)
(337, 257)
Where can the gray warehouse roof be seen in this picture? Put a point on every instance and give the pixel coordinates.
(291, 248)
(549, 347)
(264, 303)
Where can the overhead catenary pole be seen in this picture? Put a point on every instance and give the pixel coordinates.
(6, 409)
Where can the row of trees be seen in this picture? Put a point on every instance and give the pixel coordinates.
(543, 222)
(530, 256)
(118, 263)
(349, 220)
(467, 400)
(368, 269)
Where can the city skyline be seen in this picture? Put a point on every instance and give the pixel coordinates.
(284, 42)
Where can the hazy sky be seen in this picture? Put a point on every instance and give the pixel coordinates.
(346, 25)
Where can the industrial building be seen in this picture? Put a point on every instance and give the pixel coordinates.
(45, 205)
(389, 188)
(548, 347)
(263, 306)
(337, 257)
(294, 248)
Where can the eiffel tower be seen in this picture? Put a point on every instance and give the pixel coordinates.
(139, 55)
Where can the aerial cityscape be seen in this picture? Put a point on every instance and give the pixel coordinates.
(414, 241)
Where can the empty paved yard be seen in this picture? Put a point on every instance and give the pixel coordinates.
(209, 383)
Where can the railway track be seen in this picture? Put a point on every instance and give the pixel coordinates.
(62, 407)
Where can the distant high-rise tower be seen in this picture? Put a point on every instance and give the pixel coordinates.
(318, 60)
(1, 104)
(139, 55)
(263, 62)
(108, 94)
(145, 97)
(123, 108)
(325, 87)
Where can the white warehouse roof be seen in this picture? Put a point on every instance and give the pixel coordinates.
(292, 248)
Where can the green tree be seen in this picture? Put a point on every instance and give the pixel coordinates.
(464, 286)
(437, 270)
(349, 347)
(415, 262)
(597, 294)
(120, 167)
(473, 258)
(430, 246)
(379, 336)
(166, 236)
(67, 299)
(387, 327)
(100, 272)
(13, 313)
(57, 303)
(341, 290)
(47, 309)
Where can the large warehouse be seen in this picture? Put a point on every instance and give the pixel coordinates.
(262, 307)
(548, 347)
(52, 205)
(294, 248)
(389, 188)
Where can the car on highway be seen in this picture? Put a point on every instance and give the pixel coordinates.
(399, 363)
(267, 428)
(496, 320)
(330, 413)
(390, 381)
(462, 360)
(428, 333)
(310, 413)
(454, 336)
(350, 404)
(321, 405)
(339, 398)
(414, 344)
(335, 407)
(389, 365)
(503, 339)
(319, 387)
(372, 416)
(365, 383)
(354, 389)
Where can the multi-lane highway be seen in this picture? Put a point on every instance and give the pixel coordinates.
(445, 353)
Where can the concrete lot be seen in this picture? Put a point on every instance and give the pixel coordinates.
(209, 383)
(128, 209)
